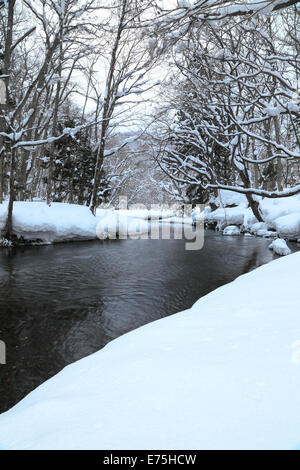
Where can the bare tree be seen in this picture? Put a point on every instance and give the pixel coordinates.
(60, 26)
(236, 97)
(129, 62)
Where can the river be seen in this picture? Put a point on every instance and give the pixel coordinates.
(62, 302)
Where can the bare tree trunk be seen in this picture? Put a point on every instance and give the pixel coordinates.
(8, 231)
(2, 147)
(279, 163)
(252, 203)
(55, 121)
(107, 109)
(10, 151)
(255, 169)
(1, 179)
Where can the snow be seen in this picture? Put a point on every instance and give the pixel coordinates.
(154, 214)
(274, 111)
(261, 230)
(226, 216)
(258, 226)
(272, 209)
(59, 222)
(281, 216)
(231, 209)
(279, 246)
(223, 375)
(115, 223)
(6, 243)
(264, 7)
(55, 223)
(288, 226)
(249, 220)
(229, 198)
(68, 222)
(231, 230)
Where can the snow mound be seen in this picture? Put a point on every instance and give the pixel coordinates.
(261, 230)
(228, 198)
(6, 243)
(222, 375)
(272, 209)
(67, 222)
(288, 226)
(55, 223)
(258, 226)
(249, 219)
(281, 217)
(280, 247)
(226, 216)
(231, 230)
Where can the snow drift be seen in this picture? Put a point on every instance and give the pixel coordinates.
(55, 223)
(281, 216)
(231, 230)
(61, 222)
(279, 246)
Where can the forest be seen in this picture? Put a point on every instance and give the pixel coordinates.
(204, 93)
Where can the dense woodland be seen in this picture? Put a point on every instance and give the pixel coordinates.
(84, 117)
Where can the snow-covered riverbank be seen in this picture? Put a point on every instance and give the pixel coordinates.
(69, 222)
(58, 222)
(36, 221)
(224, 374)
(281, 216)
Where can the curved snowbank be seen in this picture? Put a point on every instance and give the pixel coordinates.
(224, 217)
(228, 198)
(281, 216)
(67, 222)
(279, 246)
(231, 230)
(224, 374)
(272, 209)
(55, 223)
(288, 226)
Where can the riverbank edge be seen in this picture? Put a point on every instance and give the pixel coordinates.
(36, 223)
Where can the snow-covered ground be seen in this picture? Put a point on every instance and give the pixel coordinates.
(281, 216)
(67, 222)
(223, 375)
(231, 230)
(58, 222)
(279, 246)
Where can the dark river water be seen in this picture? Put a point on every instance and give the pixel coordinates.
(62, 302)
